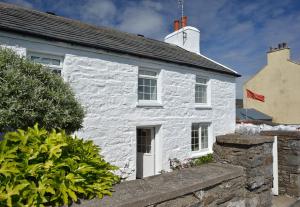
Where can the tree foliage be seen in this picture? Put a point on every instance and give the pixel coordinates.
(29, 94)
(41, 168)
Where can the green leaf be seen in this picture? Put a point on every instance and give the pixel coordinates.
(51, 169)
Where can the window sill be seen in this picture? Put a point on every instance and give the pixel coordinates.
(200, 106)
(200, 153)
(151, 104)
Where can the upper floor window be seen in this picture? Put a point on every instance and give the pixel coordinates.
(53, 62)
(147, 85)
(201, 90)
(199, 136)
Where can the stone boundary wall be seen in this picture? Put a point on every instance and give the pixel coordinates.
(209, 185)
(254, 153)
(288, 161)
(241, 178)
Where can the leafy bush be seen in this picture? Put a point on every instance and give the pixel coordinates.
(41, 168)
(29, 94)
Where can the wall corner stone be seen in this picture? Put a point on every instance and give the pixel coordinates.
(254, 154)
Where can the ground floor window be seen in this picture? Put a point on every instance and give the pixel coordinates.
(144, 139)
(199, 136)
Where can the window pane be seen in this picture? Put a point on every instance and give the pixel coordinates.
(201, 94)
(195, 137)
(46, 61)
(140, 97)
(146, 96)
(139, 148)
(58, 72)
(144, 140)
(147, 82)
(34, 58)
(147, 89)
(153, 93)
(56, 62)
(204, 137)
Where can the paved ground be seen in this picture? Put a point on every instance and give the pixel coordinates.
(285, 201)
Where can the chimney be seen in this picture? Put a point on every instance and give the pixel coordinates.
(183, 21)
(276, 55)
(186, 37)
(284, 45)
(176, 25)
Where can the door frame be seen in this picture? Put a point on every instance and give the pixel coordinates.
(275, 189)
(157, 157)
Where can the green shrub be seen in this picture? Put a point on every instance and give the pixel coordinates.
(41, 168)
(29, 94)
(202, 160)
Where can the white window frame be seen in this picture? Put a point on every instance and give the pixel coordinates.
(150, 103)
(51, 56)
(207, 150)
(208, 92)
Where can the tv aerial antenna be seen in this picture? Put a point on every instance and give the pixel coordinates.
(181, 6)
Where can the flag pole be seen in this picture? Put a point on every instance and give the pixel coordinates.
(246, 107)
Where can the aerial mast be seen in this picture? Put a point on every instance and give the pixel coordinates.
(180, 5)
(182, 19)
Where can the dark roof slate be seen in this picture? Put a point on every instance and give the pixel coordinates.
(251, 114)
(26, 21)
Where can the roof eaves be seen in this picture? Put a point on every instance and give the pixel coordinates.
(115, 50)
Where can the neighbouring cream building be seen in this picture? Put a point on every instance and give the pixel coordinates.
(279, 82)
(146, 101)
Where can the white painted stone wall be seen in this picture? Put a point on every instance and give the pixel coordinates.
(106, 85)
(187, 37)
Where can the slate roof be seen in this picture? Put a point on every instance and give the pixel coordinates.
(251, 114)
(39, 24)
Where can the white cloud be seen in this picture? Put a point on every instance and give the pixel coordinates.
(99, 12)
(143, 18)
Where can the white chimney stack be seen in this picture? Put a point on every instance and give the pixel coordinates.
(187, 37)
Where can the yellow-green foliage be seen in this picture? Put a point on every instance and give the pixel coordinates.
(41, 168)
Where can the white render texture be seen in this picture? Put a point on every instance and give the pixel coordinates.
(106, 85)
(187, 37)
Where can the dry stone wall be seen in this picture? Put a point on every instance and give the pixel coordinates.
(254, 153)
(241, 178)
(288, 161)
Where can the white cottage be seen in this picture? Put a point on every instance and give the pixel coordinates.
(146, 101)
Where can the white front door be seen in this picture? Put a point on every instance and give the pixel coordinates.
(145, 152)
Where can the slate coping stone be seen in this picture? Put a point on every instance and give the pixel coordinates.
(243, 139)
(167, 186)
(285, 134)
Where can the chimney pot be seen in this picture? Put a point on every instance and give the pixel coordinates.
(176, 25)
(183, 21)
(284, 45)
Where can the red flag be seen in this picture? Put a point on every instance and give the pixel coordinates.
(251, 94)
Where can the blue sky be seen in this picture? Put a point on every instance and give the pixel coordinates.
(236, 33)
